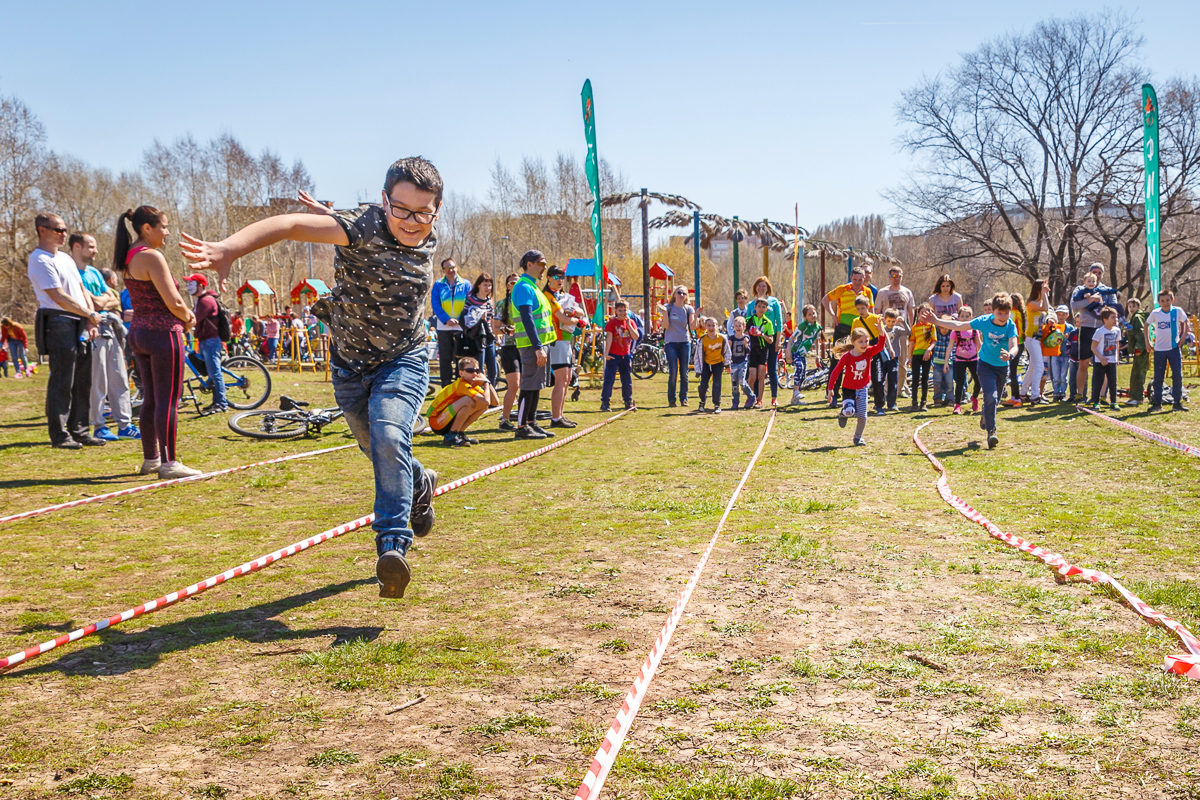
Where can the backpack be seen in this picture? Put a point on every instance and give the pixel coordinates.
(1054, 339)
(224, 326)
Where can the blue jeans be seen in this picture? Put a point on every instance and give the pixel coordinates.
(1161, 359)
(212, 351)
(678, 363)
(613, 365)
(1060, 368)
(380, 405)
(943, 382)
(737, 379)
(992, 379)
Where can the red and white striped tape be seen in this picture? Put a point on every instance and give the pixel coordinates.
(159, 484)
(593, 781)
(270, 558)
(1145, 434)
(1183, 664)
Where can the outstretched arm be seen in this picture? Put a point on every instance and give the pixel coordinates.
(946, 322)
(219, 256)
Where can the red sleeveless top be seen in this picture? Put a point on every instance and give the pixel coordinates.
(150, 312)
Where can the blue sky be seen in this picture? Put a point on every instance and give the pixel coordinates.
(747, 108)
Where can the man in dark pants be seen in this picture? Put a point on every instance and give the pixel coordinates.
(66, 324)
(531, 315)
(449, 298)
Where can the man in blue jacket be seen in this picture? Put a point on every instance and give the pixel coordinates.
(449, 298)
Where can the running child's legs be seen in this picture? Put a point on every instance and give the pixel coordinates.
(705, 375)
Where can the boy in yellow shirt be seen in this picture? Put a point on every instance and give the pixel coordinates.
(460, 403)
(712, 357)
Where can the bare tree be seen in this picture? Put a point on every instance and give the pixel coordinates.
(1020, 141)
(22, 157)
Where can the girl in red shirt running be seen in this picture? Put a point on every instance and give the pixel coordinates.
(854, 359)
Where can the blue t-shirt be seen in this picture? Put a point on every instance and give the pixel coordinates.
(524, 293)
(93, 281)
(995, 338)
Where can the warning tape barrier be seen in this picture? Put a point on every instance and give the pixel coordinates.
(593, 781)
(160, 484)
(270, 558)
(1183, 664)
(1145, 434)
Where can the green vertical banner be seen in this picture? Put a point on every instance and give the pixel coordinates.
(592, 167)
(1150, 154)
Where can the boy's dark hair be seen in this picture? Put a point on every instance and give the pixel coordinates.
(417, 171)
(620, 304)
(858, 271)
(862, 300)
(74, 239)
(1002, 302)
(762, 300)
(1108, 312)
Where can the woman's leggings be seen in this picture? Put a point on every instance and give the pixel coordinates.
(1031, 384)
(159, 358)
(961, 368)
(1014, 382)
(920, 378)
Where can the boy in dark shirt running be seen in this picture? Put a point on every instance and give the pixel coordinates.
(380, 369)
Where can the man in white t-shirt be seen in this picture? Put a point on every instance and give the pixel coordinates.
(66, 325)
(1168, 326)
(900, 298)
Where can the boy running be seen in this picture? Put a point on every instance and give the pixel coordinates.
(379, 366)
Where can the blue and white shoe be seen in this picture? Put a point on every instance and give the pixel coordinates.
(129, 432)
(102, 432)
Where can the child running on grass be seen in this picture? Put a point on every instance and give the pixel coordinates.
(804, 338)
(762, 333)
(854, 359)
(998, 346)
(739, 359)
(712, 357)
(461, 402)
(1106, 352)
(921, 340)
(897, 331)
(966, 359)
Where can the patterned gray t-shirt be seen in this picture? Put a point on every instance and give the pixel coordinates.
(379, 291)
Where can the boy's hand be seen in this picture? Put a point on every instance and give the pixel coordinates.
(1004, 355)
(928, 355)
(207, 255)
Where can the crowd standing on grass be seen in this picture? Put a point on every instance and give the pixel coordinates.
(885, 346)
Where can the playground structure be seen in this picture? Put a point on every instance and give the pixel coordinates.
(260, 293)
(308, 291)
(662, 281)
(581, 274)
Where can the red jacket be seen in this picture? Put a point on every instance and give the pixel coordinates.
(857, 368)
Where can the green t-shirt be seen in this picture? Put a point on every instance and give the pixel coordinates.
(765, 328)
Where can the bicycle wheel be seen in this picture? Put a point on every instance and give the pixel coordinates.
(269, 424)
(645, 364)
(247, 382)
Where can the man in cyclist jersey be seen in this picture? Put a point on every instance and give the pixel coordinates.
(379, 364)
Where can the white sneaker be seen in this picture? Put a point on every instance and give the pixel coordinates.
(176, 469)
(149, 466)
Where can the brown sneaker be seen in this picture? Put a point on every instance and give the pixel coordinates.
(393, 573)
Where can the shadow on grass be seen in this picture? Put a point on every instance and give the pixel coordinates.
(119, 652)
(25, 444)
(88, 480)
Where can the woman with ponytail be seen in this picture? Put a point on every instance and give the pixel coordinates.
(160, 317)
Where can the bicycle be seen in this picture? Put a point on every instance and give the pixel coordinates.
(290, 421)
(247, 381)
(649, 358)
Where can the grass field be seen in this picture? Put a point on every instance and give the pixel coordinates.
(542, 588)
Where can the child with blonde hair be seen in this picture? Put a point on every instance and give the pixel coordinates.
(804, 338)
